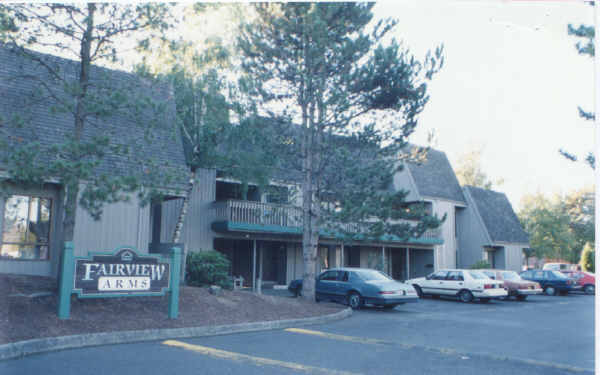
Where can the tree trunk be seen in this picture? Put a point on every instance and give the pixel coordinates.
(309, 240)
(71, 188)
(184, 207)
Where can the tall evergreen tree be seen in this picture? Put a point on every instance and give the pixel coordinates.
(355, 101)
(584, 47)
(87, 33)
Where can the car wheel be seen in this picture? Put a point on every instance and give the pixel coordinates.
(589, 289)
(354, 301)
(466, 296)
(550, 291)
(521, 297)
(484, 300)
(418, 290)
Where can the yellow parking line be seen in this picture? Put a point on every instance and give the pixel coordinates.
(446, 351)
(238, 357)
(359, 340)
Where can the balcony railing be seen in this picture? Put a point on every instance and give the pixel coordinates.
(258, 213)
(271, 214)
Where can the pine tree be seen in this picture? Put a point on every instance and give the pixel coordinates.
(350, 103)
(585, 47)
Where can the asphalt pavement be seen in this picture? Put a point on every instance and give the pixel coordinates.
(543, 335)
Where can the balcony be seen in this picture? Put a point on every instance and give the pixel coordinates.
(258, 217)
(248, 216)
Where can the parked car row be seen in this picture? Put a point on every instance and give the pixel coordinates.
(359, 286)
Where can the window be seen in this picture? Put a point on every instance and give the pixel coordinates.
(344, 276)
(455, 276)
(368, 275)
(329, 276)
(439, 275)
(277, 194)
(490, 274)
(26, 228)
(477, 275)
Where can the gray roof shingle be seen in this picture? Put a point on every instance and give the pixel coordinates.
(498, 215)
(435, 177)
(21, 94)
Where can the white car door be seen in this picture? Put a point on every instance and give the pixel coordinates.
(454, 282)
(434, 284)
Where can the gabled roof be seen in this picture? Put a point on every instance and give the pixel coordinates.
(21, 94)
(435, 177)
(497, 215)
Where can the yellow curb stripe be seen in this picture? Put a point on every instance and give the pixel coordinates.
(359, 340)
(243, 358)
(446, 351)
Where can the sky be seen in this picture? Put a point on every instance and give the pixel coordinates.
(511, 85)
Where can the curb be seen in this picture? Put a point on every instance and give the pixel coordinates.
(35, 346)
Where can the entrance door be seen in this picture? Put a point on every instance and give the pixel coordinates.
(351, 256)
(399, 264)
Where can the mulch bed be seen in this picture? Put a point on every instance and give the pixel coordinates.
(25, 314)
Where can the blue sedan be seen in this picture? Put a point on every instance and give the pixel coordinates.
(359, 286)
(552, 282)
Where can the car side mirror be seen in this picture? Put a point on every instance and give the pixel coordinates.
(428, 277)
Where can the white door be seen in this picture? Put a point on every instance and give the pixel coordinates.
(436, 283)
(455, 281)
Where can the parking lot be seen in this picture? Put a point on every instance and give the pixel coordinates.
(543, 335)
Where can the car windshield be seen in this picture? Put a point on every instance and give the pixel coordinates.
(558, 275)
(477, 275)
(368, 275)
(510, 275)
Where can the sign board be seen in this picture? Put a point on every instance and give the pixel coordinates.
(120, 273)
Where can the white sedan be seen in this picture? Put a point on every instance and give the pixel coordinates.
(464, 284)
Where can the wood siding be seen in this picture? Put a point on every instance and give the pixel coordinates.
(197, 233)
(514, 257)
(471, 235)
(123, 223)
(445, 254)
(403, 181)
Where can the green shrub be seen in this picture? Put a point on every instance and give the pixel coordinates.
(205, 268)
(588, 258)
(482, 264)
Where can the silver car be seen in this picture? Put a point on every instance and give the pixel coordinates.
(359, 286)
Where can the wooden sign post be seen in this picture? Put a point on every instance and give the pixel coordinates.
(121, 273)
